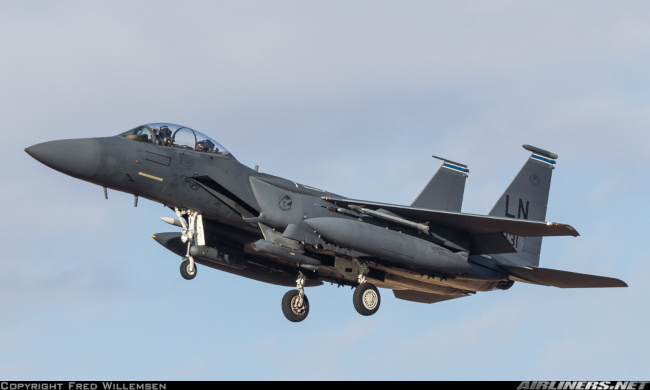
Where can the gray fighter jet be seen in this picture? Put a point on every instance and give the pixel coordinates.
(236, 219)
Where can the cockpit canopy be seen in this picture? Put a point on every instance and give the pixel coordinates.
(175, 136)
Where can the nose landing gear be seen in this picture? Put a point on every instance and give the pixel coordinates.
(192, 231)
(188, 270)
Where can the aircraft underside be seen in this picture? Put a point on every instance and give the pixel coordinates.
(237, 256)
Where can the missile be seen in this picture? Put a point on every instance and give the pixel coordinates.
(388, 244)
(268, 247)
(172, 221)
(392, 218)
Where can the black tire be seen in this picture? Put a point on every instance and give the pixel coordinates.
(185, 272)
(366, 299)
(290, 309)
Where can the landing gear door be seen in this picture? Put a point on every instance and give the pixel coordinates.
(200, 232)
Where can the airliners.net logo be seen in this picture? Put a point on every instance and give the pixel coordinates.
(583, 385)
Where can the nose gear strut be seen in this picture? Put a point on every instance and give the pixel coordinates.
(189, 236)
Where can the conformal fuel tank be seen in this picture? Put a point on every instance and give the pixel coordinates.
(388, 244)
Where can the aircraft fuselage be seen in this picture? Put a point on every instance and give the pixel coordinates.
(274, 230)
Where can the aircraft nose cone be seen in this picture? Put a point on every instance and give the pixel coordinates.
(75, 157)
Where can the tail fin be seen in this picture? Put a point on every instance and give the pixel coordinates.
(527, 198)
(446, 188)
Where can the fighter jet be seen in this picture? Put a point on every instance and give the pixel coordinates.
(235, 219)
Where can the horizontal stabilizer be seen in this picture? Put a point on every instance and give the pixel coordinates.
(561, 279)
(469, 223)
(424, 297)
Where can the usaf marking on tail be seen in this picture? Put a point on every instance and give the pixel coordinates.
(238, 220)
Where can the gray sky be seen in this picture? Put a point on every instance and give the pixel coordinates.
(349, 96)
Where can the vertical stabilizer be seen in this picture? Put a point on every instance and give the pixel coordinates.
(527, 198)
(446, 188)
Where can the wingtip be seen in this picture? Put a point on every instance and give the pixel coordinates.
(613, 282)
(572, 231)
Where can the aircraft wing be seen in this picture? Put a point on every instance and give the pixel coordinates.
(424, 297)
(469, 223)
(561, 279)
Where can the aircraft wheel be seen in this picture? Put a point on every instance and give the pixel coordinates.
(366, 299)
(185, 270)
(291, 307)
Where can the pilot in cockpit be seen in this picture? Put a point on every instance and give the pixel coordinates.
(163, 136)
(206, 146)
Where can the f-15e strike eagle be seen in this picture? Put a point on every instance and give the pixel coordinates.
(236, 219)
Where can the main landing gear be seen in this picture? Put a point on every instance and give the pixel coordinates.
(366, 298)
(295, 304)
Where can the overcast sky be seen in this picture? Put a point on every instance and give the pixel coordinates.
(353, 97)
